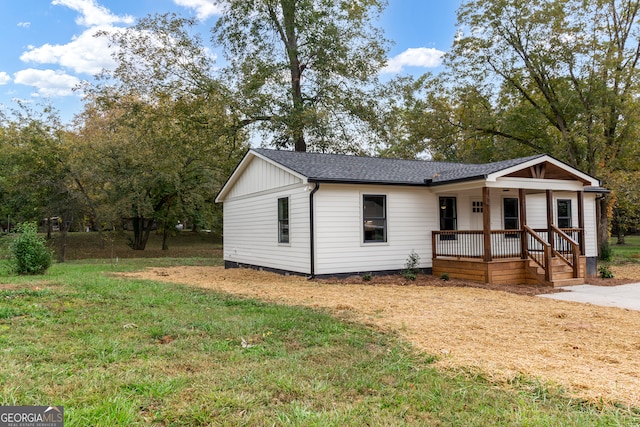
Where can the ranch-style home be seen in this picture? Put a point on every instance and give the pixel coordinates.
(522, 221)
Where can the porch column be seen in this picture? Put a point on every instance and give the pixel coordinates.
(550, 219)
(522, 199)
(581, 221)
(486, 223)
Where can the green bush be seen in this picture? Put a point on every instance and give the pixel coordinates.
(605, 272)
(412, 266)
(29, 254)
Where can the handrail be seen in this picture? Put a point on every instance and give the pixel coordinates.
(545, 262)
(574, 263)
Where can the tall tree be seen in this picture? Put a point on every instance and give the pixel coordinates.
(160, 126)
(303, 68)
(557, 75)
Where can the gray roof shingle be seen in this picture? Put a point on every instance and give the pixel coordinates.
(356, 169)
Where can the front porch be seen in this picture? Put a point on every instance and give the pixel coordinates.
(550, 256)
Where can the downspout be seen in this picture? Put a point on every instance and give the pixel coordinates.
(311, 232)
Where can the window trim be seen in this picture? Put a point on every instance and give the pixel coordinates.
(570, 209)
(517, 218)
(282, 221)
(384, 219)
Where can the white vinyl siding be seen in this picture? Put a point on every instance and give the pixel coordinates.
(251, 231)
(250, 227)
(261, 176)
(411, 215)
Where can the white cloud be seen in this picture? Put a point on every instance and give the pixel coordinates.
(4, 78)
(426, 57)
(24, 24)
(49, 83)
(204, 8)
(84, 54)
(92, 14)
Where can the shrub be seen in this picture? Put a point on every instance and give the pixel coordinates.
(367, 277)
(605, 272)
(444, 276)
(29, 254)
(411, 267)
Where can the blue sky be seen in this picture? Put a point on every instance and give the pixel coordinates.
(47, 46)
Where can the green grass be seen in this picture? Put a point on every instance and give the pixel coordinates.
(627, 253)
(119, 352)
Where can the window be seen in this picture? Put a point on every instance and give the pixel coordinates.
(511, 214)
(477, 206)
(448, 217)
(283, 220)
(374, 217)
(564, 213)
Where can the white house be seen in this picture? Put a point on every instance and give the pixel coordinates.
(527, 220)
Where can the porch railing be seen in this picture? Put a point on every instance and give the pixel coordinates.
(564, 244)
(470, 244)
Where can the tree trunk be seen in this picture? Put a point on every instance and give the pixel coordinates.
(141, 230)
(165, 236)
(290, 39)
(603, 225)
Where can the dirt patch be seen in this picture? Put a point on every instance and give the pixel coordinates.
(503, 331)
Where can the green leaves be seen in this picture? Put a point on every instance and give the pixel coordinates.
(29, 254)
(299, 66)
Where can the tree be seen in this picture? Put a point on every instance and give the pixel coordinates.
(626, 206)
(34, 155)
(303, 68)
(556, 76)
(159, 128)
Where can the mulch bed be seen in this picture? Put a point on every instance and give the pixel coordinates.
(429, 280)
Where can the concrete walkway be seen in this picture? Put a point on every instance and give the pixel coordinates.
(623, 296)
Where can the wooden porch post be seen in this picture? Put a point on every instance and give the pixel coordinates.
(550, 219)
(486, 223)
(581, 221)
(522, 198)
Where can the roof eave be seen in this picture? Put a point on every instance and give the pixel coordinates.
(431, 183)
(365, 182)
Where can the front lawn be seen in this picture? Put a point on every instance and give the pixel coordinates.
(629, 252)
(123, 352)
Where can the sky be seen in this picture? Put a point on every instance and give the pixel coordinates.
(47, 46)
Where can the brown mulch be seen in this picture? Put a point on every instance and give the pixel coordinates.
(428, 280)
(504, 332)
(622, 276)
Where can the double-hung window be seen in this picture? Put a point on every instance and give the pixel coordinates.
(564, 213)
(374, 218)
(283, 220)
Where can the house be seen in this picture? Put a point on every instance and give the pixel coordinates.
(526, 220)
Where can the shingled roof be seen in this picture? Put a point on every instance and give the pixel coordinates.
(320, 167)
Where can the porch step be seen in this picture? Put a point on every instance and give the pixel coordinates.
(562, 274)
